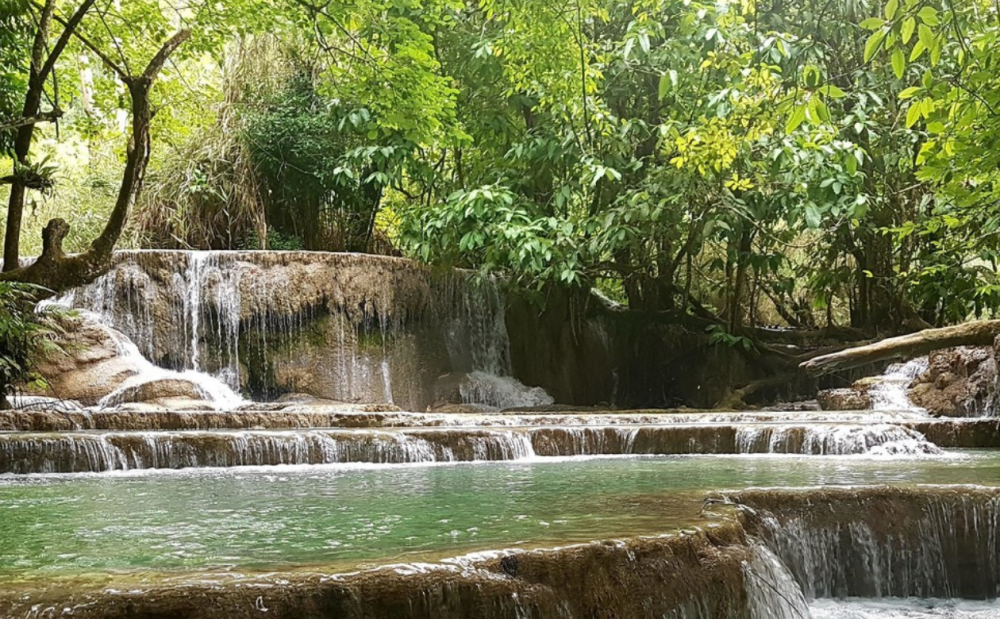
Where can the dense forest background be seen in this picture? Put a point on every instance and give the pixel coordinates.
(813, 164)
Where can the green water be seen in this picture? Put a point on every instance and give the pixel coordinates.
(281, 518)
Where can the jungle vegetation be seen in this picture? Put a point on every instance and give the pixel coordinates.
(814, 164)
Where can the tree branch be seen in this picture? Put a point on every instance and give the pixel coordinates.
(69, 29)
(980, 333)
(42, 117)
(120, 72)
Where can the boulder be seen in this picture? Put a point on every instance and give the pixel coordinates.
(844, 399)
(487, 392)
(84, 363)
(959, 382)
(159, 391)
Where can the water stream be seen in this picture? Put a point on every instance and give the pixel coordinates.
(891, 390)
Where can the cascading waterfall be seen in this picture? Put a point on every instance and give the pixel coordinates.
(834, 439)
(74, 452)
(212, 390)
(884, 543)
(501, 392)
(891, 391)
(772, 592)
(352, 328)
(168, 303)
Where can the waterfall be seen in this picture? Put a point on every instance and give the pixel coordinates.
(903, 609)
(834, 439)
(118, 451)
(501, 392)
(343, 327)
(170, 304)
(891, 390)
(74, 452)
(772, 592)
(883, 542)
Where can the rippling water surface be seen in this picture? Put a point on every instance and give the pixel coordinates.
(282, 517)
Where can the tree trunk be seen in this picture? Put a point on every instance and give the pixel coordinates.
(980, 333)
(41, 67)
(54, 270)
(22, 141)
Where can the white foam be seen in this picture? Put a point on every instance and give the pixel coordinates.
(903, 609)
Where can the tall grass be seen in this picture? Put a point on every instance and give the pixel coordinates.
(207, 194)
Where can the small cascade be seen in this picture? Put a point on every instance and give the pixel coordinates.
(834, 439)
(76, 452)
(207, 387)
(81, 453)
(891, 390)
(473, 319)
(903, 609)
(171, 304)
(884, 542)
(772, 592)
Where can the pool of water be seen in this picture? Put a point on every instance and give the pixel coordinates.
(266, 518)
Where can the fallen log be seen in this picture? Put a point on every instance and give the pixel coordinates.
(979, 333)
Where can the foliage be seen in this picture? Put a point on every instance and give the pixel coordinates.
(15, 26)
(22, 331)
(747, 161)
(949, 53)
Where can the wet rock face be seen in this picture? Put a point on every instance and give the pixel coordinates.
(959, 382)
(161, 390)
(845, 399)
(84, 365)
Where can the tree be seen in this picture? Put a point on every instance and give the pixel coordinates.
(122, 37)
(54, 270)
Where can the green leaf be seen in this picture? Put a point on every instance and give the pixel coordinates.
(814, 217)
(929, 16)
(833, 92)
(664, 87)
(852, 165)
(927, 79)
(821, 110)
(909, 26)
(898, 63)
(910, 92)
(926, 36)
(890, 9)
(873, 23)
(874, 42)
(918, 49)
(912, 115)
(796, 119)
